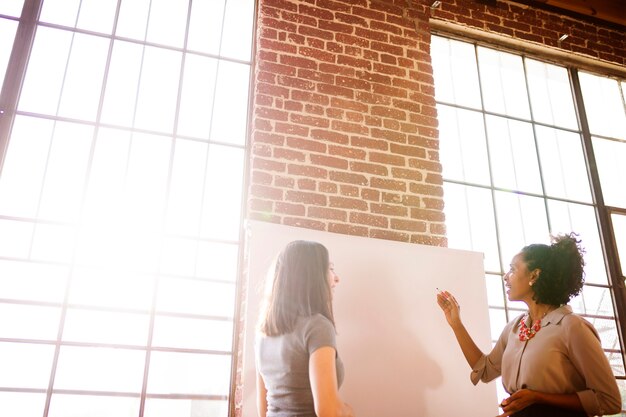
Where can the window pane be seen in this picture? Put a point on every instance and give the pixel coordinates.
(607, 331)
(133, 19)
(188, 180)
(105, 327)
(44, 74)
(217, 261)
(32, 281)
(463, 145)
(619, 232)
(168, 20)
(7, 35)
(495, 290)
(186, 373)
(521, 221)
(229, 117)
(200, 408)
(97, 15)
(513, 155)
(100, 369)
(158, 90)
(111, 288)
(568, 217)
(11, 7)
(222, 199)
(454, 64)
(563, 164)
(179, 256)
(192, 333)
(593, 301)
(93, 406)
(25, 366)
(122, 84)
(192, 296)
(550, 94)
(22, 404)
(92, 15)
(470, 222)
(29, 322)
(66, 170)
(20, 183)
(104, 205)
(146, 181)
(15, 238)
(237, 32)
(83, 77)
(604, 105)
(198, 93)
(610, 156)
(53, 243)
(503, 83)
(205, 26)
(497, 320)
(61, 12)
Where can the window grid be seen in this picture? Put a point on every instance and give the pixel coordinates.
(142, 319)
(473, 209)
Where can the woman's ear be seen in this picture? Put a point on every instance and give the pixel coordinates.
(534, 275)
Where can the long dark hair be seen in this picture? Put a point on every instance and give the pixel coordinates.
(300, 287)
(561, 264)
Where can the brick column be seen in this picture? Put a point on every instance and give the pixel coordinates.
(344, 135)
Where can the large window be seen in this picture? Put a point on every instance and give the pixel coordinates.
(122, 149)
(520, 142)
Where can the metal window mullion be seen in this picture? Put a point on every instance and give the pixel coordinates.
(536, 142)
(602, 213)
(492, 188)
(16, 71)
(240, 283)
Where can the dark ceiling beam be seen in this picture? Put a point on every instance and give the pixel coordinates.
(612, 11)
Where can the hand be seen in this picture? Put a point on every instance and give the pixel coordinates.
(450, 307)
(517, 402)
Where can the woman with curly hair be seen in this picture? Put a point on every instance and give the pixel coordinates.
(550, 359)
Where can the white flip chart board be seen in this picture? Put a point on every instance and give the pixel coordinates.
(400, 356)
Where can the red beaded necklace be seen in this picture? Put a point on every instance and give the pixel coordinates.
(526, 333)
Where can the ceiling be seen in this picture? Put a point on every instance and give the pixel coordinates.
(613, 11)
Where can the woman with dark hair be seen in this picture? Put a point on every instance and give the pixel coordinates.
(550, 359)
(298, 369)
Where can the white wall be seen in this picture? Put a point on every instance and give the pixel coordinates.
(400, 356)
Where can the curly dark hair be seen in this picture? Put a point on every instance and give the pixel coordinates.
(561, 264)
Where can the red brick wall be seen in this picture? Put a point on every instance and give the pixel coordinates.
(344, 121)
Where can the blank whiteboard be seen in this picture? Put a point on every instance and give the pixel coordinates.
(400, 356)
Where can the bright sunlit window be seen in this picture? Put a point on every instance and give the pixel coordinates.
(120, 205)
(515, 170)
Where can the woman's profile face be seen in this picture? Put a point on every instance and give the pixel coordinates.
(333, 278)
(517, 280)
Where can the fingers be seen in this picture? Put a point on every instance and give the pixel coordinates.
(446, 301)
(452, 299)
(443, 302)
